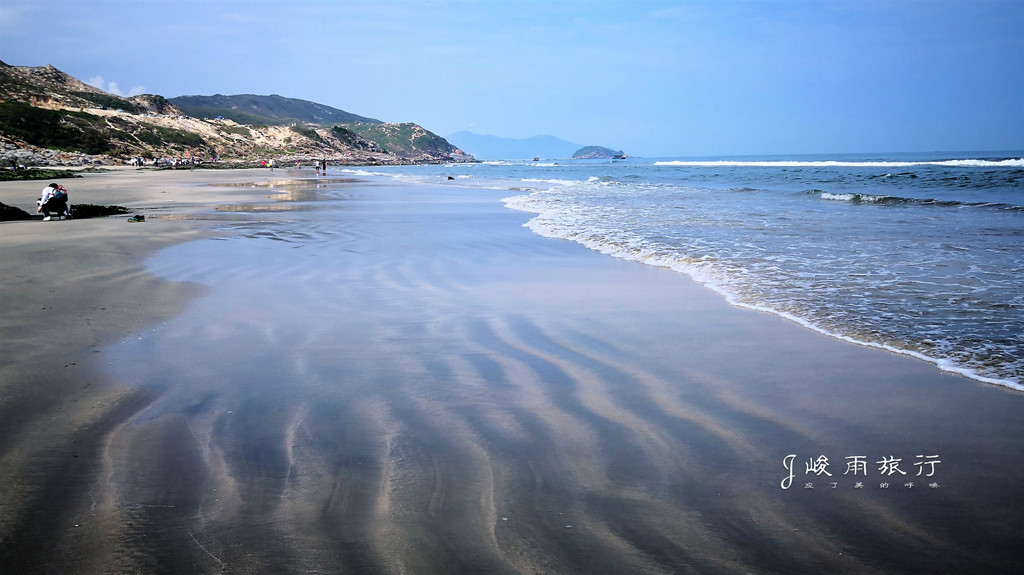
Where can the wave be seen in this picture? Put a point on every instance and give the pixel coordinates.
(524, 162)
(551, 221)
(970, 163)
(555, 181)
(358, 172)
(858, 198)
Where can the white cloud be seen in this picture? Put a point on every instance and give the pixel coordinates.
(113, 88)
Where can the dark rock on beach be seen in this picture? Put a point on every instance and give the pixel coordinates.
(82, 211)
(11, 213)
(78, 211)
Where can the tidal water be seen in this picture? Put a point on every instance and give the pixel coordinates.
(917, 253)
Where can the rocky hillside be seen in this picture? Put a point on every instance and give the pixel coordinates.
(50, 118)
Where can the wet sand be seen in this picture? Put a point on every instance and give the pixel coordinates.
(365, 377)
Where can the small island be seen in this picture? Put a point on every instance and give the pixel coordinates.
(597, 152)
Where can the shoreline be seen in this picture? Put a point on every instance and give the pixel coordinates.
(459, 394)
(992, 364)
(939, 363)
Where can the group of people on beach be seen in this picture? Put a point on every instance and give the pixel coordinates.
(140, 162)
(54, 200)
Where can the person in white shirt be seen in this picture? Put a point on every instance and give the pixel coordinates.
(54, 199)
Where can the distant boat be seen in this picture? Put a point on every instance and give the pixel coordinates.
(619, 156)
(536, 158)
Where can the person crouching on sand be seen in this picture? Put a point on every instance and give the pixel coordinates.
(54, 199)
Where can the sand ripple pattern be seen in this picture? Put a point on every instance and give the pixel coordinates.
(395, 386)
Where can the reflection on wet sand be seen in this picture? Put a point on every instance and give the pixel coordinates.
(294, 183)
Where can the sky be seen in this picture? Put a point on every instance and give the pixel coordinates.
(653, 78)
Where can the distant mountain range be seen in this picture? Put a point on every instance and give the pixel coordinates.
(497, 148)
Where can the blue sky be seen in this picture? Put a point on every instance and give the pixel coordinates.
(654, 78)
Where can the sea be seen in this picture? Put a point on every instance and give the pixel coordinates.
(921, 254)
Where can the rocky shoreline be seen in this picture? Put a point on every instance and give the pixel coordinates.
(28, 156)
(22, 156)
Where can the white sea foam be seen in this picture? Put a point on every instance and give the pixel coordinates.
(561, 219)
(838, 197)
(518, 163)
(1009, 163)
(550, 181)
(1017, 163)
(358, 172)
(851, 197)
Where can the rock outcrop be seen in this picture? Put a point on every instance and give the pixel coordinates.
(597, 152)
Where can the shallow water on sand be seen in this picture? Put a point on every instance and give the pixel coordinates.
(403, 379)
(916, 253)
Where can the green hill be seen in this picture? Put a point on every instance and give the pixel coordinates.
(270, 110)
(403, 140)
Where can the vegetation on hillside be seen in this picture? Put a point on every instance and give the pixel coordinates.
(307, 132)
(402, 139)
(270, 110)
(74, 131)
(60, 130)
(236, 116)
(110, 101)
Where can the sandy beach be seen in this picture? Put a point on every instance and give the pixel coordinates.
(279, 373)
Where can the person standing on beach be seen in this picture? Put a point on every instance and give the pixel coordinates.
(54, 199)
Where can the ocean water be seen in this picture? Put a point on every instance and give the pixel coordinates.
(917, 253)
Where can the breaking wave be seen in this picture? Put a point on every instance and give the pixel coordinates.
(1006, 163)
